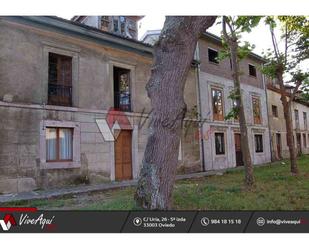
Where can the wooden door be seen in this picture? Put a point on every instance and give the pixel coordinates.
(239, 159)
(123, 155)
(278, 141)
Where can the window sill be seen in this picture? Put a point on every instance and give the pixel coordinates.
(61, 165)
(213, 63)
(220, 155)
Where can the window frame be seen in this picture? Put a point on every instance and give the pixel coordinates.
(251, 66)
(305, 140)
(68, 87)
(76, 161)
(58, 149)
(260, 120)
(212, 104)
(224, 146)
(215, 62)
(71, 51)
(276, 112)
(259, 150)
(305, 120)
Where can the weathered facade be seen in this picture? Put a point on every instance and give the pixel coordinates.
(221, 137)
(300, 112)
(66, 91)
(74, 108)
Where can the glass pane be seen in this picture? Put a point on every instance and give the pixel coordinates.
(51, 141)
(217, 102)
(65, 140)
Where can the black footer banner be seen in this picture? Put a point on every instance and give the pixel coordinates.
(35, 221)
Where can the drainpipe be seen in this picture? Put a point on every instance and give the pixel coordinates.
(269, 128)
(199, 106)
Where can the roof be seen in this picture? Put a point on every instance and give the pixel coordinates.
(218, 40)
(83, 31)
(87, 32)
(81, 18)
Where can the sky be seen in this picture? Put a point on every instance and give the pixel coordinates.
(260, 36)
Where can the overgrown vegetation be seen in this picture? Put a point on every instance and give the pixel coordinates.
(274, 189)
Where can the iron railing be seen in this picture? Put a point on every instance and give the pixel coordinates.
(122, 101)
(59, 95)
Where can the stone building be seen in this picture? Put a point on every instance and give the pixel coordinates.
(67, 91)
(74, 108)
(300, 112)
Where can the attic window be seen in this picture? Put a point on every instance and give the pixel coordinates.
(104, 22)
(212, 55)
(252, 70)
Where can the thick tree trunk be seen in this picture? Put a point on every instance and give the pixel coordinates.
(249, 180)
(173, 55)
(288, 122)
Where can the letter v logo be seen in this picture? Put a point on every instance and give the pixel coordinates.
(7, 222)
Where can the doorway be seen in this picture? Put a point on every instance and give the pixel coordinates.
(238, 152)
(278, 142)
(123, 156)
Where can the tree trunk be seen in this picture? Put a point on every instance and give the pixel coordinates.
(288, 121)
(173, 54)
(249, 180)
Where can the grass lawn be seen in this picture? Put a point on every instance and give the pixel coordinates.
(275, 189)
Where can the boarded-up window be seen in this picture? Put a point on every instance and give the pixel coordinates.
(305, 120)
(59, 80)
(219, 143)
(217, 104)
(256, 106)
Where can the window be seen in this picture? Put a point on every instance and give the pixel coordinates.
(59, 80)
(59, 144)
(296, 118)
(252, 70)
(274, 109)
(105, 23)
(219, 142)
(236, 104)
(212, 55)
(305, 120)
(116, 25)
(256, 110)
(305, 140)
(122, 97)
(258, 143)
(217, 104)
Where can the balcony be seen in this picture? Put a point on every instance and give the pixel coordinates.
(59, 95)
(122, 101)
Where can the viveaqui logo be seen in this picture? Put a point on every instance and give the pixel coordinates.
(7, 222)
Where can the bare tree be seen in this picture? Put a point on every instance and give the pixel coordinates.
(173, 54)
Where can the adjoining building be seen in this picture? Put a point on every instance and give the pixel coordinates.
(299, 111)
